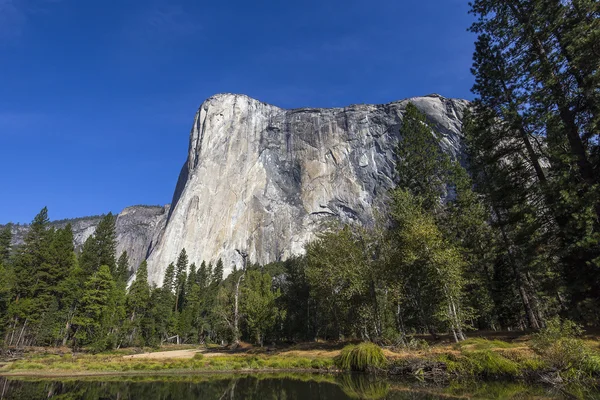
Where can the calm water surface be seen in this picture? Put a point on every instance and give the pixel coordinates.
(269, 386)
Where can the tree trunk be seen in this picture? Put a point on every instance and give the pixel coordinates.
(236, 313)
(21, 334)
(532, 320)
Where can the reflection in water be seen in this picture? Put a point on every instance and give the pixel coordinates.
(269, 386)
(366, 387)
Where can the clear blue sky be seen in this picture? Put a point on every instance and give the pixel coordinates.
(97, 97)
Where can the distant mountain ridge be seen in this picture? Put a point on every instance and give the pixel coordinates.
(137, 228)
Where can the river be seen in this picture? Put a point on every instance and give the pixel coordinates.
(273, 386)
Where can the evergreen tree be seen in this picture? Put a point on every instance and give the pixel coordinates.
(137, 302)
(422, 167)
(91, 323)
(163, 301)
(27, 310)
(122, 273)
(106, 238)
(169, 278)
(5, 242)
(537, 107)
(259, 304)
(89, 259)
(180, 279)
(217, 273)
(100, 248)
(71, 291)
(6, 295)
(203, 276)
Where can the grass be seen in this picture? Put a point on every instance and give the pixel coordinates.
(476, 357)
(483, 344)
(110, 362)
(363, 357)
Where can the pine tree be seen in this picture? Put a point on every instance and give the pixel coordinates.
(5, 242)
(203, 276)
(89, 259)
(163, 304)
(169, 278)
(180, 279)
(71, 291)
(217, 273)
(137, 302)
(106, 238)
(422, 167)
(27, 309)
(96, 309)
(6, 295)
(122, 273)
(535, 73)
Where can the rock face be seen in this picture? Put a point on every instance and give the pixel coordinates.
(262, 180)
(138, 229)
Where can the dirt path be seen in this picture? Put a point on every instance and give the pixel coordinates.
(173, 354)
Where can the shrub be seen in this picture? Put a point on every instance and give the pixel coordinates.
(363, 357)
(417, 344)
(198, 356)
(487, 362)
(560, 346)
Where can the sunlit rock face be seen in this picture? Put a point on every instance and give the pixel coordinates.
(263, 180)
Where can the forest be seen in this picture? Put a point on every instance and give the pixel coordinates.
(507, 237)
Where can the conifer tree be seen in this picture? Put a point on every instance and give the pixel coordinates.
(537, 109)
(217, 273)
(137, 301)
(6, 295)
(91, 323)
(180, 279)
(122, 273)
(5, 242)
(106, 238)
(202, 276)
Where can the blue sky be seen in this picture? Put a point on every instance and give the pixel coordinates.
(97, 97)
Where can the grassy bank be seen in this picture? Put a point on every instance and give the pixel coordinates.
(117, 363)
(480, 358)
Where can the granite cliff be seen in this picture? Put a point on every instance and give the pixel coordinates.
(261, 180)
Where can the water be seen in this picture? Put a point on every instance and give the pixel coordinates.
(272, 386)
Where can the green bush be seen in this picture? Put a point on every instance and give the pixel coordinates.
(417, 344)
(559, 345)
(363, 357)
(198, 356)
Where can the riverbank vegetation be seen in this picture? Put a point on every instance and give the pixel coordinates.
(529, 358)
